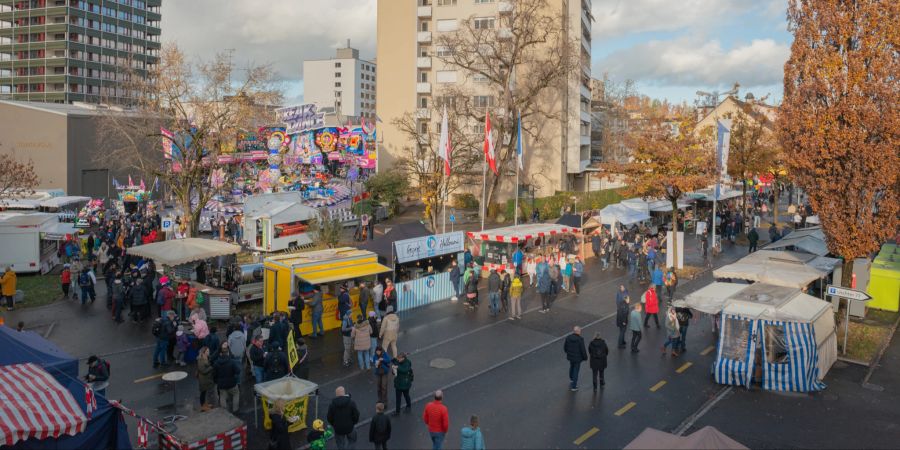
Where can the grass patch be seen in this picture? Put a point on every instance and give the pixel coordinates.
(688, 272)
(39, 289)
(865, 340)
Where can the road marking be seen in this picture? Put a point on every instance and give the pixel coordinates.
(657, 386)
(684, 367)
(625, 408)
(689, 422)
(586, 436)
(707, 350)
(151, 377)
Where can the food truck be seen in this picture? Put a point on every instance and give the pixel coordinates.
(287, 275)
(497, 246)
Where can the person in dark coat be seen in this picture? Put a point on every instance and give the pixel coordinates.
(622, 319)
(753, 237)
(278, 333)
(576, 354)
(276, 365)
(279, 436)
(455, 276)
(343, 417)
(297, 315)
(380, 428)
(597, 350)
(344, 302)
(403, 380)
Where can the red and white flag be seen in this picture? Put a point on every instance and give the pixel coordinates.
(489, 144)
(444, 148)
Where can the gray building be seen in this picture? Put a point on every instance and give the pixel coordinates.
(61, 140)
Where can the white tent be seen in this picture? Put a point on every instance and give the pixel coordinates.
(781, 268)
(704, 438)
(183, 251)
(809, 240)
(665, 205)
(284, 206)
(621, 214)
(60, 202)
(711, 298)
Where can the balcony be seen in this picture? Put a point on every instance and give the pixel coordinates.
(585, 92)
(505, 7)
(504, 33)
(585, 116)
(423, 62)
(424, 11)
(586, 44)
(423, 113)
(585, 20)
(423, 37)
(423, 88)
(586, 140)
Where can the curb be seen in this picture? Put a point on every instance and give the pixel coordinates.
(874, 364)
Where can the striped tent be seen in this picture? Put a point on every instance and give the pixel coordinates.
(797, 370)
(734, 361)
(519, 233)
(33, 405)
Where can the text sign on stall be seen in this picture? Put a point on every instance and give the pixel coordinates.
(429, 246)
(850, 294)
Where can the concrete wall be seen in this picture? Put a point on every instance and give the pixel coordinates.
(40, 136)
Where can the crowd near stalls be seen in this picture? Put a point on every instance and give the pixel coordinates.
(504, 249)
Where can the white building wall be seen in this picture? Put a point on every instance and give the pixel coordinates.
(346, 84)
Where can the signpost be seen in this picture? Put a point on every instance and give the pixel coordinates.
(452, 219)
(850, 295)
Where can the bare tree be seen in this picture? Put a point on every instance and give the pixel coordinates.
(17, 178)
(525, 61)
(196, 107)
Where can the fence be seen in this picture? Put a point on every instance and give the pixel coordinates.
(424, 291)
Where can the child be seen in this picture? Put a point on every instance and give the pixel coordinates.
(471, 436)
(65, 280)
(319, 435)
(181, 345)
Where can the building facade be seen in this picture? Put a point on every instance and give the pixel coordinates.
(412, 76)
(64, 51)
(345, 83)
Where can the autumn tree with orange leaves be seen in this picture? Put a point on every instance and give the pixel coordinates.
(839, 120)
(668, 158)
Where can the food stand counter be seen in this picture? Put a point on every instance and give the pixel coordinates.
(498, 245)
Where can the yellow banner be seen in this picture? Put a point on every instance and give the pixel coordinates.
(296, 407)
(293, 359)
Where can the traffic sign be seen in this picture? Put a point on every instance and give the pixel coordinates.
(850, 294)
(452, 218)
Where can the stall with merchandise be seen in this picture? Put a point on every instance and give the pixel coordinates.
(422, 267)
(494, 248)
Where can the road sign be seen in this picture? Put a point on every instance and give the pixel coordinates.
(452, 218)
(167, 224)
(849, 294)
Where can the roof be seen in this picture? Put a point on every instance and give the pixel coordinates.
(343, 273)
(782, 268)
(809, 240)
(518, 233)
(270, 205)
(383, 245)
(622, 213)
(205, 425)
(181, 251)
(28, 346)
(27, 220)
(704, 438)
(320, 257)
(571, 220)
(36, 406)
(63, 109)
(759, 300)
(710, 298)
(58, 202)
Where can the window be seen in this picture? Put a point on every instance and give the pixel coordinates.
(482, 101)
(446, 2)
(444, 51)
(480, 2)
(423, 26)
(423, 102)
(423, 128)
(337, 65)
(337, 84)
(446, 76)
(446, 25)
(776, 345)
(483, 23)
(423, 77)
(737, 334)
(337, 74)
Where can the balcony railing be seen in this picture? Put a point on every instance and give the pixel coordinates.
(423, 37)
(423, 88)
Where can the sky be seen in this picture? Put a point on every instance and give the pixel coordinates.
(669, 48)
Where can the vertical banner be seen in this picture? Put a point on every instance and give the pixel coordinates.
(293, 358)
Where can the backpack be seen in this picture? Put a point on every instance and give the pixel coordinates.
(84, 280)
(157, 328)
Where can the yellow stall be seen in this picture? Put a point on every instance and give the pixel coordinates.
(325, 268)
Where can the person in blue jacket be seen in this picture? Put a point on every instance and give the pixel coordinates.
(471, 437)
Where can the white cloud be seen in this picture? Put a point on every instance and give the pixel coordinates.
(689, 61)
(620, 17)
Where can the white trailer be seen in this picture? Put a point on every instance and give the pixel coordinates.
(30, 241)
(275, 222)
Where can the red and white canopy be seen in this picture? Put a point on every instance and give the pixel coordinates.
(34, 405)
(519, 233)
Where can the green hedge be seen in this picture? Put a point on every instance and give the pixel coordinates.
(549, 206)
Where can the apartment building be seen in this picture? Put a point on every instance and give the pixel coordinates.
(345, 83)
(411, 76)
(64, 51)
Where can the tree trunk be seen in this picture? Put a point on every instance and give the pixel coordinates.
(186, 217)
(675, 233)
(847, 272)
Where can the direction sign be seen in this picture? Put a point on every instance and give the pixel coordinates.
(850, 294)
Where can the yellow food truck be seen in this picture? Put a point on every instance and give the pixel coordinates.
(285, 275)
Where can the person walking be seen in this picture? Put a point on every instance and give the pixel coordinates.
(577, 273)
(161, 330)
(378, 298)
(471, 282)
(381, 366)
(437, 419)
(65, 280)
(226, 374)
(390, 330)
(86, 282)
(257, 359)
(672, 332)
(531, 269)
(575, 354)
(622, 315)
(375, 326)
(671, 281)
(656, 280)
(279, 436)
(753, 237)
(515, 295)
(344, 301)
(470, 436)
(347, 337)
(205, 378)
(597, 351)
(343, 417)
(684, 316)
(237, 345)
(505, 283)
(403, 379)
(315, 305)
(118, 296)
(380, 428)
(634, 324)
(544, 287)
(494, 292)
(652, 306)
(361, 341)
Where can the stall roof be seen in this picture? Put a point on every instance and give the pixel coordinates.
(318, 257)
(518, 233)
(619, 213)
(288, 204)
(383, 244)
(809, 240)
(782, 268)
(342, 273)
(757, 300)
(182, 251)
(59, 202)
(704, 438)
(665, 205)
(27, 220)
(710, 298)
(286, 388)
(707, 194)
(59, 231)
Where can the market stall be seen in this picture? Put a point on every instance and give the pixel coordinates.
(422, 267)
(287, 275)
(808, 240)
(214, 429)
(494, 248)
(781, 268)
(704, 438)
(621, 214)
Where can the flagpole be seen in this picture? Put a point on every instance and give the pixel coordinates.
(483, 192)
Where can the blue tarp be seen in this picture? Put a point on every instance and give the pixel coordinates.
(105, 430)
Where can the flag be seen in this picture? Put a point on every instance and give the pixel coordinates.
(167, 138)
(520, 147)
(724, 141)
(130, 183)
(444, 144)
(489, 144)
(293, 358)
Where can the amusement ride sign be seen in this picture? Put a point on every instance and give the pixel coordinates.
(301, 118)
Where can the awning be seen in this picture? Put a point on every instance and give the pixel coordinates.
(59, 232)
(342, 273)
(711, 298)
(518, 233)
(35, 406)
(182, 251)
(621, 213)
(809, 240)
(704, 438)
(60, 202)
(781, 268)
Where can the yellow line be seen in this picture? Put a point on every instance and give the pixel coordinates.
(625, 408)
(657, 386)
(586, 436)
(151, 377)
(684, 367)
(707, 350)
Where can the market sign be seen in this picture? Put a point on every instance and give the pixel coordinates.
(301, 118)
(429, 246)
(849, 294)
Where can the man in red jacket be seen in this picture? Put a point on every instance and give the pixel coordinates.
(438, 420)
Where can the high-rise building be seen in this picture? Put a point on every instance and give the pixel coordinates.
(411, 76)
(345, 83)
(64, 51)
